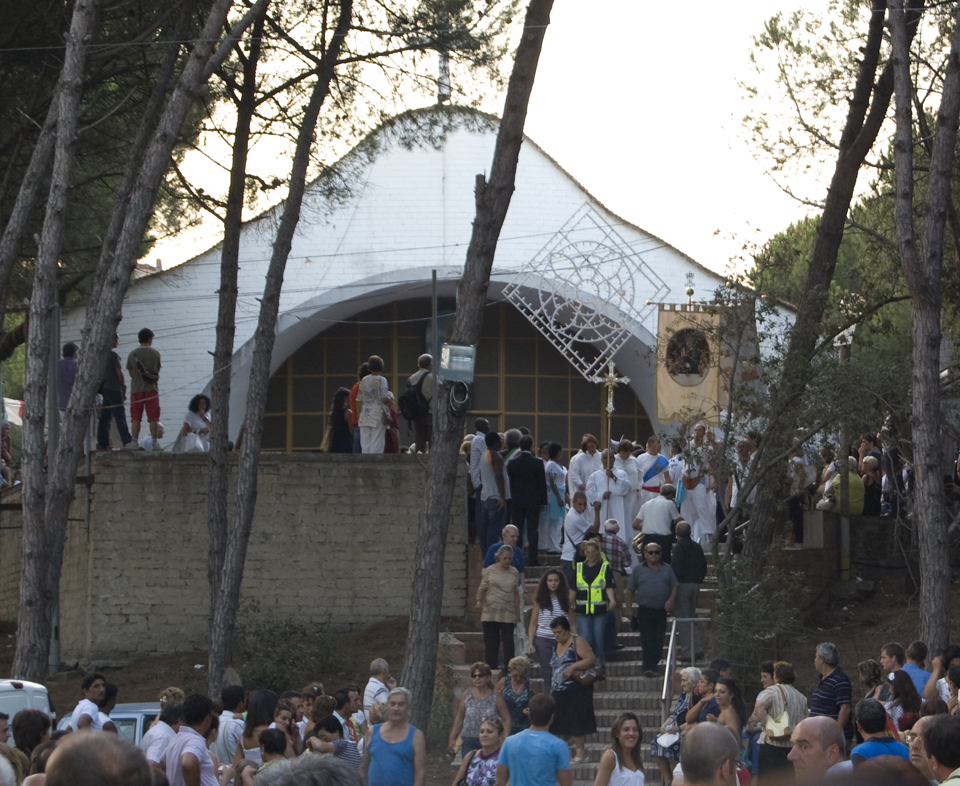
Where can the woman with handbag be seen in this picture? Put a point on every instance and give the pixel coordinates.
(779, 708)
(551, 601)
(667, 756)
(479, 767)
(572, 689)
(479, 703)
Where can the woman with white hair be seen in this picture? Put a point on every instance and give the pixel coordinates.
(499, 604)
(665, 748)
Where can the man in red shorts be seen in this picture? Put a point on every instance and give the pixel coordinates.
(143, 365)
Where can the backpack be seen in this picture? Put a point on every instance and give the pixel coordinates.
(413, 405)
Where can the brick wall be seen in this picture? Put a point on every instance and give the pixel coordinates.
(333, 542)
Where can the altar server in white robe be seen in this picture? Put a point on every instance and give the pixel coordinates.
(611, 488)
(583, 464)
(624, 460)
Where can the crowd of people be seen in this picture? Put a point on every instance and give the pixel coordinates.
(903, 730)
(892, 735)
(245, 739)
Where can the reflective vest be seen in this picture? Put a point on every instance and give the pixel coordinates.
(591, 598)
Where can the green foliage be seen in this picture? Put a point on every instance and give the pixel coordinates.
(441, 711)
(118, 80)
(754, 621)
(278, 652)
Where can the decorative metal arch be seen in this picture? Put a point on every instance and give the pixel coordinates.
(581, 289)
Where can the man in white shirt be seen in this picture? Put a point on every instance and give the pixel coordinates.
(187, 760)
(379, 686)
(109, 701)
(86, 715)
(477, 448)
(576, 525)
(231, 722)
(155, 741)
(655, 520)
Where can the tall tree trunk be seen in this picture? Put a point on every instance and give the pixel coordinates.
(224, 610)
(25, 202)
(227, 311)
(922, 270)
(38, 592)
(44, 532)
(493, 200)
(863, 122)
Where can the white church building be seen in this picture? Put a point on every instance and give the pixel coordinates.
(358, 282)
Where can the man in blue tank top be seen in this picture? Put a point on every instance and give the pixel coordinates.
(535, 757)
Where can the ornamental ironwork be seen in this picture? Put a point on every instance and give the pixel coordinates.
(587, 291)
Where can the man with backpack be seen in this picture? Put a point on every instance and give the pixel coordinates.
(143, 365)
(416, 403)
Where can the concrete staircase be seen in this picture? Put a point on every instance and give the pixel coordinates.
(625, 689)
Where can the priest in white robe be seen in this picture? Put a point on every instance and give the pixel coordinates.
(611, 488)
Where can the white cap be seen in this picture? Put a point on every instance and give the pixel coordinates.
(611, 525)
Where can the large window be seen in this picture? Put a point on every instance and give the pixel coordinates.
(521, 380)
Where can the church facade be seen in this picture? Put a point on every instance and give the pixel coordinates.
(573, 286)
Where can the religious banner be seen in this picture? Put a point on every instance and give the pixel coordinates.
(688, 371)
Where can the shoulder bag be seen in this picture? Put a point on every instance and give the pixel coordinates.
(777, 729)
(469, 757)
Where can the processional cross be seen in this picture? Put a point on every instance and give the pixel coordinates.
(610, 380)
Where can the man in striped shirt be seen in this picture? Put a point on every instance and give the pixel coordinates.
(833, 695)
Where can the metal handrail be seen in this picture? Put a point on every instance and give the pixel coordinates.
(666, 695)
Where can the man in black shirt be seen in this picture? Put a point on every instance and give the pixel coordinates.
(690, 567)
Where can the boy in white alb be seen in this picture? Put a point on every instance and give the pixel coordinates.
(86, 715)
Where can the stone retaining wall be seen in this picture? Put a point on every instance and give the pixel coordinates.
(332, 543)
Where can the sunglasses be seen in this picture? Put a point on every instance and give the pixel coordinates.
(478, 676)
(657, 551)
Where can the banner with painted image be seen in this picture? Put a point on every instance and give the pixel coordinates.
(688, 368)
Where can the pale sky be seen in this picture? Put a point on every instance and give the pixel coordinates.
(638, 100)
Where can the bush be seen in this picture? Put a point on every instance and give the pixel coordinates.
(441, 710)
(280, 653)
(755, 621)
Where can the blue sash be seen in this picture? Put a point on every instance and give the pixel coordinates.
(656, 468)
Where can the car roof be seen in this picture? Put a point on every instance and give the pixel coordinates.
(143, 706)
(20, 685)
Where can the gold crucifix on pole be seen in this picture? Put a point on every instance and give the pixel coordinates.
(610, 380)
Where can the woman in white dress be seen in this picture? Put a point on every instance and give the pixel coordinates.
(373, 402)
(194, 436)
(622, 764)
(551, 518)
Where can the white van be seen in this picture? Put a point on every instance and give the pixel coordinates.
(16, 695)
